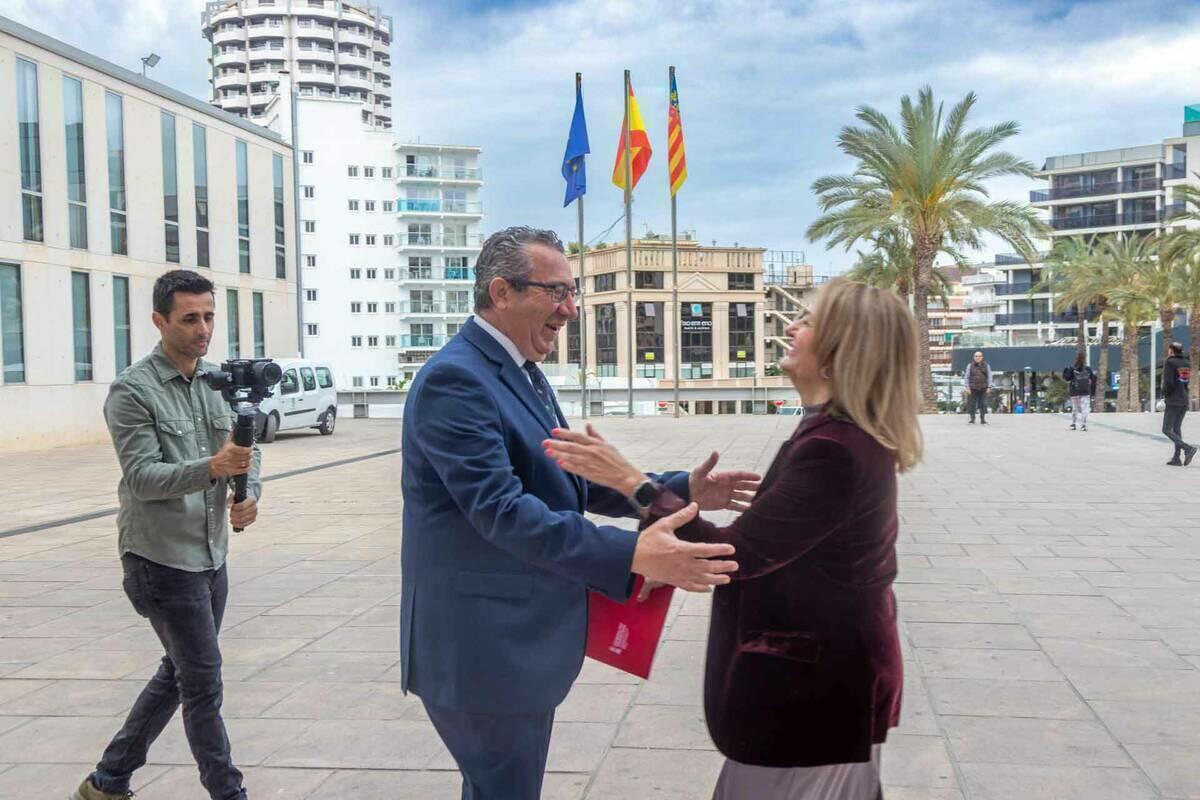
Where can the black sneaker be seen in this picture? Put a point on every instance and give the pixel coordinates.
(983, 422)
(1189, 455)
(1084, 428)
(970, 422)
(1073, 426)
(1174, 462)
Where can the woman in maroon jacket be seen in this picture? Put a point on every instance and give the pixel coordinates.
(804, 672)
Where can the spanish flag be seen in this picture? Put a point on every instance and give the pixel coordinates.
(639, 146)
(678, 162)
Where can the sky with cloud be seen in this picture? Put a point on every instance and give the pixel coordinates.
(764, 87)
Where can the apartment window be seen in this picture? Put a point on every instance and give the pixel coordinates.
(389, 274)
(352, 172)
(370, 240)
(374, 380)
(310, 329)
(354, 239)
(368, 172)
(115, 123)
(648, 280)
(200, 178)
(388, 206)
(457, 269)
(306, 156)
(243, 208)
(355, 274)
(30, 144)
(420, 301)
(371, 273)
(385, 172)
(573, 354)
(372, 341)
(356, 381)
(170, 174)
(649, 340)
(310, 226)
(310, 295)
(76, 176)
(420, 268)
(372, 308)
(81, 315)
(741, 338)
(280, 227)
(356, 308)
(741, 280)
(389, 308)
(368, 205)
(352, 204)
(389, 341)
(454, 235)
(458, 302)
(232, 327)
(121, 328)
(452, 328)
(356, 341)
(606, 282)
(260, 336)
(389, 240)
(309, 192)
(606, 340)
(310, 261)
(12, 327)
(696, 339)
(420, 233)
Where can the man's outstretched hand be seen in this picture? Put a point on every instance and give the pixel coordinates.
(663, 557)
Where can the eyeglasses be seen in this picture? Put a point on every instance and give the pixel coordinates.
(558, 291)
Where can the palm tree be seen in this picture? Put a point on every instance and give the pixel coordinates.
(1181, 250)
(1124, 269)
(1075, 273)
(890, 266)
(925, 178)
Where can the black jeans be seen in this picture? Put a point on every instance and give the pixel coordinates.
(1173, 427)
(185, 609)
(977, 400)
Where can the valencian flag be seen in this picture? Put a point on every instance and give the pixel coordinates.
(573, 168)
(639, 147)
(675, 155)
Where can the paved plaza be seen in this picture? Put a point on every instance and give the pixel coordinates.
(1049, 591)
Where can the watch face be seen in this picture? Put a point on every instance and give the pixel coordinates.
(646, 494)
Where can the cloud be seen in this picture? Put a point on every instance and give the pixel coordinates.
(764, 86)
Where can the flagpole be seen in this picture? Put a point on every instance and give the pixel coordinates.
(583, 392)
(629, 243)
(675, 316)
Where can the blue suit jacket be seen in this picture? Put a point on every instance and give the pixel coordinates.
(497, 555)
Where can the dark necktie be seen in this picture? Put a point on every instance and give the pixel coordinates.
(541, 387)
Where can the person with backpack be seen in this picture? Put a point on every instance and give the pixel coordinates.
(977, 380)
(1081, 382)
(1177, 375)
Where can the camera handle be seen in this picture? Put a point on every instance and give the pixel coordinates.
(243, 436)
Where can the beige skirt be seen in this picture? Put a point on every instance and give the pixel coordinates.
(831, 782)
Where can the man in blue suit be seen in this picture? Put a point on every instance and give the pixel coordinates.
(497, 555)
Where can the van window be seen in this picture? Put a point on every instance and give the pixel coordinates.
(324, 378)
(310, 382)
(289, 384)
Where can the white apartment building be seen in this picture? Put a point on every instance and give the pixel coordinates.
(332, 48)
(439, 211)
(107, 180)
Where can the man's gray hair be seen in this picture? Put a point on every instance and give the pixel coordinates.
(504, 256)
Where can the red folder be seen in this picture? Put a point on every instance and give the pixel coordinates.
(625, 635)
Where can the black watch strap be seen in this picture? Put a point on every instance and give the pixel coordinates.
(646, 493)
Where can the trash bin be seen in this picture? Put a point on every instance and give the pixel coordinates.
(1019, 408)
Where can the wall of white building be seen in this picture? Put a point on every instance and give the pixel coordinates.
(51, 407)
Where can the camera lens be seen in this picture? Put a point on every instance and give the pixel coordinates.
(269, 373)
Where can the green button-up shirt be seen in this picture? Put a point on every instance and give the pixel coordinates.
(166, 429)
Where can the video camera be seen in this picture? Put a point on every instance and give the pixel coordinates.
(244, 383)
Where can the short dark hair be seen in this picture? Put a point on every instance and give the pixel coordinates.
(1080, 361)
(179, 280)
(504, 256)
(1176, 348)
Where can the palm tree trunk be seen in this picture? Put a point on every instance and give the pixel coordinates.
(1102, 366)
(1194, 351)
(1129, 377)
(923, 253)
(1081, 347)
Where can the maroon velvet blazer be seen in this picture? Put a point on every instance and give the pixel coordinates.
(804, 665)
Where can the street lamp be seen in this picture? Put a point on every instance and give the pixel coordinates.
(150, 61)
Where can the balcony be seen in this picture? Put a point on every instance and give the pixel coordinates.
(316, 10)
(229, 80)
(234, 102)
(1174, 172)
(229, 58)
(352, 36)
(347, 58)
(1018, 289)
(422, 340)
(411, 240)
(428, 172)
(979, 320)
(384, 111)
(418, 308)
(1096, 190)
(322, 55)
(231, 35)
(353, 79)
(1152, 216)
(435, 206)
(1037, 317)
(437, 274)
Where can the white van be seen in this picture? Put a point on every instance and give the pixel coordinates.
(306, 397)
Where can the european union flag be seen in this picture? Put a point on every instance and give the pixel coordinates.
(573, 169)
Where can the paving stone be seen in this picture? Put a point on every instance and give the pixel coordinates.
(949, 662)
(1054, 742)
(1005, 698)
(1037, 782)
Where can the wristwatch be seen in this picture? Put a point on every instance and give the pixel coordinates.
(645, 494)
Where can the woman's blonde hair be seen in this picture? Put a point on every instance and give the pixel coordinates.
(865, 340)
